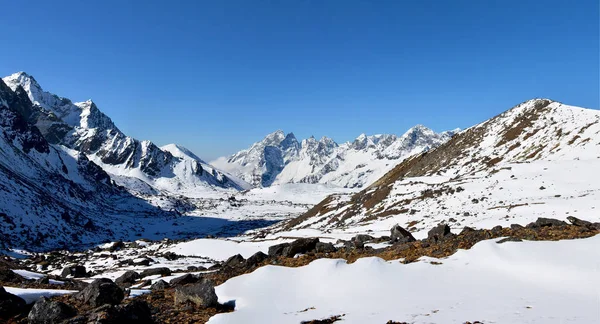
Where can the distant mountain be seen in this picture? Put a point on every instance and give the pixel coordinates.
(280, 158)
(83, 127)
(52, 196)
(538, 159)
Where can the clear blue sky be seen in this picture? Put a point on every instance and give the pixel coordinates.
(216, 76)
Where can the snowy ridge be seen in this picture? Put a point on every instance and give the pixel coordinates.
(280, 159)
(83, 127)
(535, 160)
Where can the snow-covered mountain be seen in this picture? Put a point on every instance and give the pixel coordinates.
(538, 159)
(45, 187)
(83, 127)
(280, 158)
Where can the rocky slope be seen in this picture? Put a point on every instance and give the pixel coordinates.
(280, 158)
(83, 127)
(44, 186)
(535, 160)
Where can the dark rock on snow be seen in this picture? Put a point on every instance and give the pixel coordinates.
(127, 279)
(322, 247)
(101, 291)
(75, 271)
(300, 246)
(160, 285)
(46, 311)
(543, 222)
(183, 280)
(277, 250)
(10, 304)
(399, 234)
(202, 294)
(256, 259)
(155, 271)
(236, 261)
(439, 232)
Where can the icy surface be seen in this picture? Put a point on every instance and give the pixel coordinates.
(30, 295)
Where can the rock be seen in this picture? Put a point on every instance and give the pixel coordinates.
(101, 291)
(509, 239)
(256, 259)
(202, 294)
(544, 222)
(155, 271)
(146, 283)
(116, 246)
(236, 261)
(466, 230)
(196, 268)
(159, 285)
(143, 262)
(578, 222)
(171, 256)
(362, 238)
(497, 230)
(43, 281)
(322, 247)
(183, 280)
(300, 246)
(127, 279)
(277, 250)
(137, 311)
(7, 275)
(75, 271)
(439, 233)
(399, 234)
(516, 226)
(10, 304)
(46, 311)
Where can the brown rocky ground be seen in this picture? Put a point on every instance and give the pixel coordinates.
(440, 243)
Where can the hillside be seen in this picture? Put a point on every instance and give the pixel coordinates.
(536, 159)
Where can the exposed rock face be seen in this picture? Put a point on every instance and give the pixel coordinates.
(322, 247)
(256, 259)
(184, 280)
(100, 292)
(439, 233)
(45, 311)
(127, 279)
(75, 271)
(544, 222)
(10, 304)
(160, 285)
(236, 261)
(202, 294)
(399, 234)
(156, 271)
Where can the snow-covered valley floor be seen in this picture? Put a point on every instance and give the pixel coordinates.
(513, 282)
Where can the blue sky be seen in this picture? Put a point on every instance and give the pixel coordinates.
(216, 76)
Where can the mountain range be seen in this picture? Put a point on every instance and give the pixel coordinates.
(279, 158)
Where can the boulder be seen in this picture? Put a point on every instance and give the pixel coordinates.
(322, 247)
(236, 261)
(155, 271)
(399, 234)
(183, 280)
(300, 246)
(546, 222)
(76, 271)
(127, 279)
(277, 250)
(202, 294)
(159, 285)
(578, 222)
(256, 259)
(7, 275)
(362, 238)
(516, 226)
(137, 311)
(101, 291)
(497, 230)
(466, 230)
(46, 311)
(10, 304)
(439, 233)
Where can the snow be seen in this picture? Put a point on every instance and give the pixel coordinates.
(514, 282)
(30, 295)
(221, 249)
